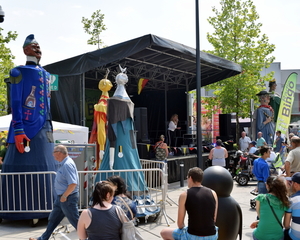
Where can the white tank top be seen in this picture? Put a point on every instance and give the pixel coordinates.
(219, 157)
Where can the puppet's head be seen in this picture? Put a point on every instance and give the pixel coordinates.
(105, 85)
(121, 78)
(31, 47)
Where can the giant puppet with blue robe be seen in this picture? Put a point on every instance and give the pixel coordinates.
(30, 138)
(121, 148)
(263, 118)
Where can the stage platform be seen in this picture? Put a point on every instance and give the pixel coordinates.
(188, 162)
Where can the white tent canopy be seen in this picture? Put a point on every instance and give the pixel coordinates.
(61, 131)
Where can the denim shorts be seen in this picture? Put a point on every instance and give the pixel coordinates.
(182, 234)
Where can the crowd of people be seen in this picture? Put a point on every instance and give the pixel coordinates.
(277, 203)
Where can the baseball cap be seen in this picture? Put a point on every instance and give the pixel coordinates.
(296, 177)
(253, 143)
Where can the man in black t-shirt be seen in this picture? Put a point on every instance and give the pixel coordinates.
(201, 205)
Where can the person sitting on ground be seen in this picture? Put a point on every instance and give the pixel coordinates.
(121, 196)
(270, 209)
(218, 154)
(201, 205)
(101, 221)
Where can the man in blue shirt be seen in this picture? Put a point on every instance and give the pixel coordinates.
(292, 217)
(261, 169)
(67, 189)
(278, 142)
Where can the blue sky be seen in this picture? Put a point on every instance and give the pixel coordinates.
(58, 29)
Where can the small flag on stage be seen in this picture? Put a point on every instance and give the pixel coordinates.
(141, 84)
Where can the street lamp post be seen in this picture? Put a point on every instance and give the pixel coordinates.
(198, 79)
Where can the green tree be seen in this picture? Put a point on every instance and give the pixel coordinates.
(94, 27)
(6, 64)
(237, 37)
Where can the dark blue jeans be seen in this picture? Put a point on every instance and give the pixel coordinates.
(60, 210)
(261, 187)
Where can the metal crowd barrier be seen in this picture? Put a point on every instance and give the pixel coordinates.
(17, 193)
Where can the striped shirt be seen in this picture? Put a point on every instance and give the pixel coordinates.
(295, 211)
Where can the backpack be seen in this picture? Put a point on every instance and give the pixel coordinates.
(160, 153)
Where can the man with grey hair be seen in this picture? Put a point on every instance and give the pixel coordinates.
(244, 142)
(292, 162)
(67, 189)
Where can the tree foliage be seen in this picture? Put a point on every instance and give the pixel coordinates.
(6, 64)
(94, 27)
(237, 37)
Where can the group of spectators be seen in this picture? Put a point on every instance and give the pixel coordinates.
(278, 200)
(277, 203)
(101, 220)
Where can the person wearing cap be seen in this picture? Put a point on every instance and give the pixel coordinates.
(30, 135)
(292, 162)
(264, 118)
(261, 169)
(260, 140)
(291, 220)
(252, 148)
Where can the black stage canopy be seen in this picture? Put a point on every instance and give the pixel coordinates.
(169, 66)
(160, 60)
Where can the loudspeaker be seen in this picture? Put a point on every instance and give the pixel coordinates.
(225, 124)
(141, 124)
(143, 151)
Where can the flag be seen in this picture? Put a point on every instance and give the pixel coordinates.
(286, 104)
(141, 84)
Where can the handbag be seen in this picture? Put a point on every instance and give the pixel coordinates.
(285, 233)
(129, 231)
(160, 153)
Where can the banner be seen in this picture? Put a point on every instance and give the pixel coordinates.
(286, 104)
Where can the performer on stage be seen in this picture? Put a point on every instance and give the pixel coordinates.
(30, 135)
(264, 117)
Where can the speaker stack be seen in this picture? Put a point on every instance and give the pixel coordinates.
(141, 127)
